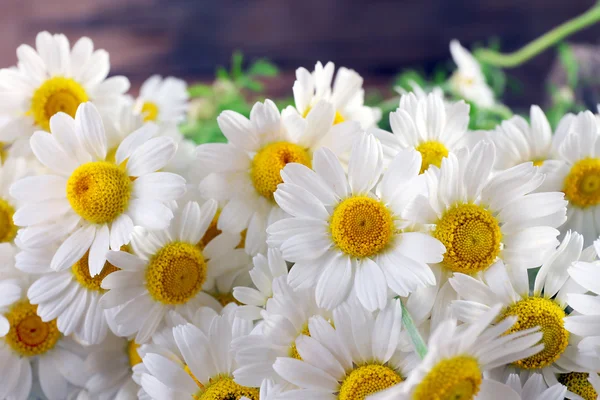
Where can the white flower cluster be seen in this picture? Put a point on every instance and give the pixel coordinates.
(312, 256)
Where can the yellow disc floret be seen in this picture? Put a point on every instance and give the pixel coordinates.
(270, 160)
(432, 153)
(8, 229)
(538, 162)
(361, 226)
(293, 352)
(28, 334)
(224, 388)
(149, 111)
(548, 315)
(472, 238)
(58, 94)
(582, 184)
(81, 272)
(366, 380)
(577, 382)
(339, 118)
(132, 353)
(99, 191)
(456, 378)
(176, 273)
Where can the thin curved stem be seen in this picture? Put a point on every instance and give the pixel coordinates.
(415, 336)
(540, 44)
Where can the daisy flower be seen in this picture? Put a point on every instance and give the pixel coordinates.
(163, 99)
(355, 359)
(349, 231)
(27, 343)
(428, 125)
(545, 307)
(579, 176)
(457, 359)
(205, 372)
(346, 95)
(91, 200)
(518, 141)
(265, 271)
(54, 78)
(534, 388)
(13, 169)
(481, 217)
(247, 169)
(286, 318)
(468, 80)
(169, 270)
(269, 390)
(580, 385)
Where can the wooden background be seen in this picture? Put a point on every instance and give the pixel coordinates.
(189, 38)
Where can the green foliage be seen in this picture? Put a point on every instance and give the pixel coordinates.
(569, 63)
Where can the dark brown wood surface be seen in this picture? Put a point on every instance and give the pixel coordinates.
(189, 38)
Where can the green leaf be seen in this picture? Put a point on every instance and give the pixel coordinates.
(407, 78)
(569, 62)
(413, 332)
(236, 64)
(200, 90)
(251, 84)
(222, 73)
(263, 68)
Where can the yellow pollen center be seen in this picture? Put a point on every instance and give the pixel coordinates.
(432, 153)
(339, 118)
(81, 272)
(99, 191)
(8, 229)
(538, 162)
(577, 382)
(366, 380)
(456, 378)
(361, 226)
(270, 160)
(56, 94)
(150, 111)
(293, 350)
(582, 184)
(548, 315)
(28, 334)
(176, 273)
(224, 388)
(132, 353)
(472, 238)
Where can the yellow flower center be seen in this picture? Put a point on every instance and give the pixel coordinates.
(577, 382)
(225, 298)
(56, 94)
(366, 380)
(582, 184)
(8, 229)
(538, 163)
(361, 226)
(472, 238)
(336, 120)
(28, 334)
(150, 111)
(132, 353)
(211, 232)
(270, 160)
(456, 378)
(293, 350)
(99, 191)
(548, 315)
(432, 153)
(224, 388)
(81, 272)
(176, 273)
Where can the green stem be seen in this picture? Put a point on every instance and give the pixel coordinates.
(540, 44)
(415, 336)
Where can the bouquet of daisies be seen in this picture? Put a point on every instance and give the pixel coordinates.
(309, 255)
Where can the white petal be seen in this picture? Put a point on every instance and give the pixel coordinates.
(161, 186)
(150, 214)
(89, 127)
(370, 285)
(151, 156)
(73, 248)
(98, 250)
(365, 165)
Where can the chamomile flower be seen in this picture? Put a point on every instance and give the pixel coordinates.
(481, 217)
(468, 80)
(169, 270)
(89, 199)
(356, 357)
(286, 318)
(428, 125)
(545, 306)
(579, 177)
(13, 169)
(247, 169)
(205, 370)
(534, 388)
(266, 270)
(27, 342)
(457, 359)
(349, 231)
(54, 78)
(269, 390)
(163, 99)
(346, 95)
(581, 385)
